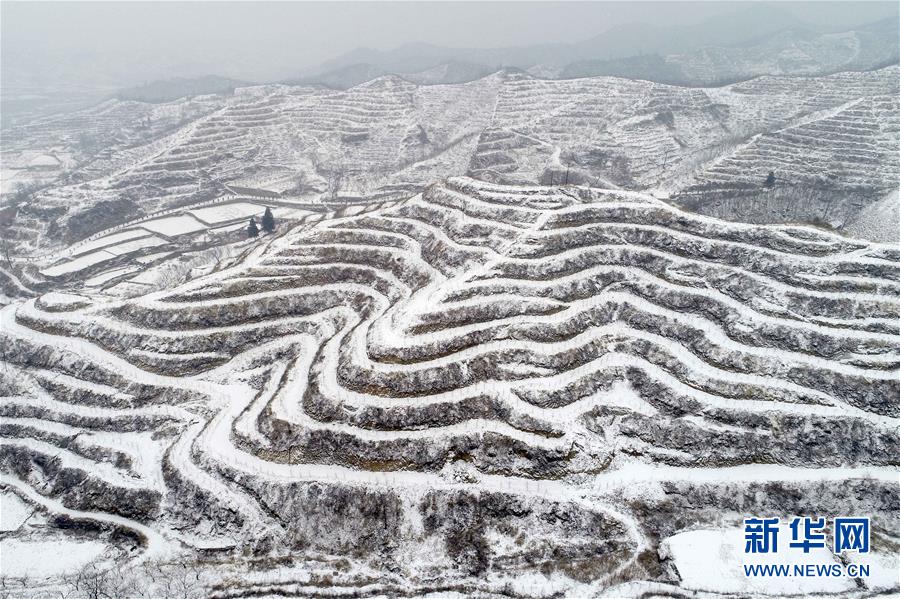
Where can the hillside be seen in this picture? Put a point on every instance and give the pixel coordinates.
(752, 41)
(710, 147)
(502, 300)
(514, 383)
(169, 90)
(795, 51)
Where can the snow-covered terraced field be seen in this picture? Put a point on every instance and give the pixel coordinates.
(639, 134)
(829, 133)
(856, 146)
(179, 230)
(480, 385)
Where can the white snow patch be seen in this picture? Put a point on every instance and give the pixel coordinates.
(526, 369)
(62, 301)
(290, 213)
(230, 228)
(107, 240)
(879, 221)
(712, 560)
(108, 276)
(227, 212)
(624, 396)
(152, 257)
(884, 569)
(172, 226)
(13, 512)
(134, 245)
(535, 584)
(77, 264)
(41, 559)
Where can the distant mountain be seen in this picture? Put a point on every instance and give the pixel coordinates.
(650, 67)
(172, 89)
(634, 40)
(786, 52)
(719, 50)
(619, 42)
(355, 74)
(711, 147)
(450, 72)
(343, 77)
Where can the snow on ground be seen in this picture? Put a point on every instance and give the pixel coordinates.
(135, 245)
(8, 181)
(173, 226)
(13, 512)
(225, 307)
(84, 261)
(624, 396)
(227, 212)
(152, 257)
(879, 221)
(79, 263)
(107, 240)
(127, 289)
(232, 228)
(712, 560)
(45, 558)
(283, 212)
(62, 301)
(108, 276)
(153, 276)
(884, 568)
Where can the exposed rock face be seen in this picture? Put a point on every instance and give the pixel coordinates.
(473, 385)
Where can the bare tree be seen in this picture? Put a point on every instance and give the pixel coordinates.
(24, 192)
(665, 164)
(336, 176)
(179, 580)
(93, 583)
(301, 182)
(6, 247)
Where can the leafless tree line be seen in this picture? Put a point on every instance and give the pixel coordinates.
(179, 270)
(150, 580)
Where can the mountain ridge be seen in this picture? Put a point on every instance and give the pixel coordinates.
(508, 127)
(586, 57)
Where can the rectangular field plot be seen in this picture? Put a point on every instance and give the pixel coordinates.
(228, 212)
(173, 226)
(108, 240)
(77, 264)
(108, 276)
(134, 245)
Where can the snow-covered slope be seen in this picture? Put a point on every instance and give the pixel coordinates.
(879, 221)
(639, 134)
(389, 136)
(755, 40)
(484, 389)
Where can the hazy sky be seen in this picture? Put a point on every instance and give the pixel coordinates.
(123, 43)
